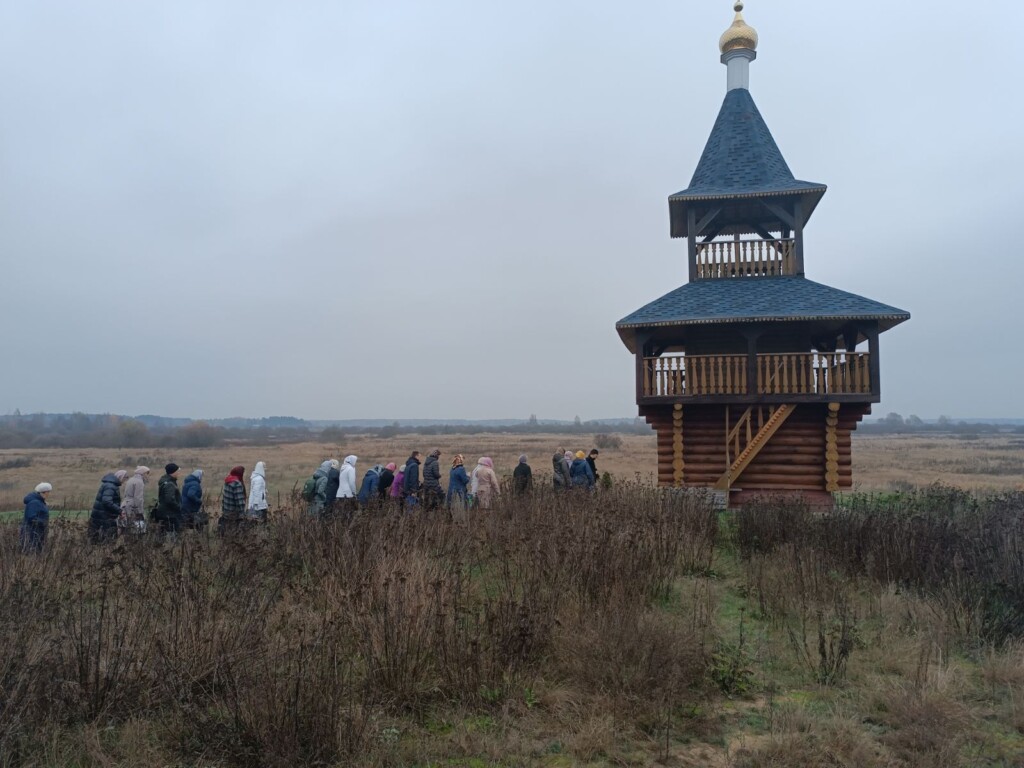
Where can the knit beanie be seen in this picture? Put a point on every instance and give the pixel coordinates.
(44, 488)
(580, 455)
(171, 468)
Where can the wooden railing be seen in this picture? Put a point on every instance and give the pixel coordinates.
(813, 373)
(746, 258)
(818, 373)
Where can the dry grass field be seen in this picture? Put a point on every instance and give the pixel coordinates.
(881, 463)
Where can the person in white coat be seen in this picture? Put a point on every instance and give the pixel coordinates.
(346, 502)
(257, 507)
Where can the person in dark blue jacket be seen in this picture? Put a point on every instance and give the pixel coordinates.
(368, 490)
(107, 508)
(458, 482)
(192, 515)
(580, 473)
(36, 520)
(411, 482)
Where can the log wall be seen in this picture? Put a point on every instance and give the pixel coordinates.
(794, 458)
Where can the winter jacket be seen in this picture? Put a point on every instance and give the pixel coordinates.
(320, 497)
(412, 477)
(371, 480)
(333, 480)
(107, 507)
(485, 485)
(593, 467)
(232, 499)
(258, 489)
(135, 498)
(398, 486)
(432, 475)
(522, 478)
(347, 481)
(458, 481)
(192, 500)
(582, 475)
(36, 511)
(560, 465)
(168, 506)
(387, 479)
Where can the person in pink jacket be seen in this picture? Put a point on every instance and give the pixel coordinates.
(484, 483)
(398, 485)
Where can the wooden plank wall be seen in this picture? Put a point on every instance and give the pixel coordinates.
(794, 459)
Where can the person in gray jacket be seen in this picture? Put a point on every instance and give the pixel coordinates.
(433, 493)
(560, 466)
(318, 506)
(133, 503)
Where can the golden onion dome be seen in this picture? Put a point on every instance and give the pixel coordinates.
(740, 34)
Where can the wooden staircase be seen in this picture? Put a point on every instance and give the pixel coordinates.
(753, 443)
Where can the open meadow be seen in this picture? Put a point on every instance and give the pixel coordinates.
(632, 627)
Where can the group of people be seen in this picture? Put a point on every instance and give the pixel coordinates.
(120, 505)
(332, 490)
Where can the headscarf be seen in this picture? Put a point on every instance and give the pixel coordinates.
(436, 453)
(236, 473)
(580, 455)
(390, 467)
(198, 475)
(333, 464)
(458, 461)
(401, 469)
(121, 474)
(522, 459)
(486, 461)
(44, 488)
(377, 468)
(569, 456)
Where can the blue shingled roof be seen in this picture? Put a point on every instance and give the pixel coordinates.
(743, 299)
(741, 158)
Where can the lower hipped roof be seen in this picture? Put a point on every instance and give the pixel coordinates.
(757, 299)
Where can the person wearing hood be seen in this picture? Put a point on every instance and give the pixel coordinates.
(458, 482)
(346, 502)
(106, 509)
(318, 505)
(560, 466)
(387, 479)
(333, 480)
(582, 475)
(411, 482)
(232, 501)
(484, 483)
(36, 519)
(257, 507)
(522, 477)
(433, 492)
(133, 503)
(397, 492)
(167, 514)
(193, 517)
(371, 482)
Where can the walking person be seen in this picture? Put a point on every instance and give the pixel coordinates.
(106, 509)
(387, 479)
(36, 520)
(458, 483)
(433, 492)
(133, 505)
(397, 492)
(193, 516)
(256, 509)
(331, 491)
(346, 502)
(484, 483)
(581, 473)
(368, 492)
(411, 482)
(522, 477)
(167, 513)
(592, 461)
(232, 502)
(560, 468)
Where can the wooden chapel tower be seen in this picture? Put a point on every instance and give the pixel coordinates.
(753, 376)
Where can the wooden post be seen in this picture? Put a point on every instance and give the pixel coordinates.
(751, 336)
(798, 217)
(874, 364)
(641, 352)
(691, 242)
(831, 448)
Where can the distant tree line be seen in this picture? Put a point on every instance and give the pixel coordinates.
(81, 430)
(894, 423)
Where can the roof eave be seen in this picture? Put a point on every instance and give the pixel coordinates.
(890, 320)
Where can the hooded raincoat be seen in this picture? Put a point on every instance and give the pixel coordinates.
(484, 483)
(257, 507)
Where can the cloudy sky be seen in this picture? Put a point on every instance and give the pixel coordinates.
(402, 209)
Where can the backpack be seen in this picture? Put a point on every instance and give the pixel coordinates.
(309, 489)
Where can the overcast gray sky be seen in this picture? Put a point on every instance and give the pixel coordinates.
(349, 209)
